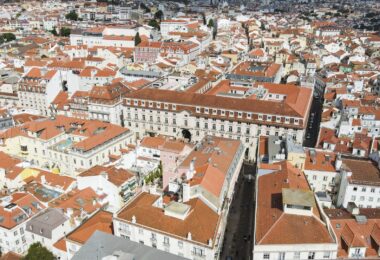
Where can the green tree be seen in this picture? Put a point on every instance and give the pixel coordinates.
(137, 39)
(65, 32)
(36, 252)
(159, 15)
(73, 16)
(210, 23)
(54, 31)
(8, 37)
(154, 24)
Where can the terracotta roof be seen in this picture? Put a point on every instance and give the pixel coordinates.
(201, 221)
(114, 175)
(100, 221)
(273, 225)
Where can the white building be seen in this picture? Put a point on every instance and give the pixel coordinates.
(15, 210)
(118, 184)
(360, 183)
(194, 226)
(48, 227)
(64, 144)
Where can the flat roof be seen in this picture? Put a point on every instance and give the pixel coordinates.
(298, 197)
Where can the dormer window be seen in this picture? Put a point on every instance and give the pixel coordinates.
(298, 201)
(166, 106)
(128, 101)
(240, 114)
(150, 104)
(158, 105)
(214, 111)
(198, 109)
(278, 119)
(143, 103)
(249, 115)
(135, 102)
(174, 107)
(232, 113)
(206, 110)
(269, 118)
(223, 113)
(260, 116)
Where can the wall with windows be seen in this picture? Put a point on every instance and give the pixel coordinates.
(165, 242)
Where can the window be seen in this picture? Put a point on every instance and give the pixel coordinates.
(297, 255)
(166, 241)
(373, 190)
(266, 256)
(364, 189)
(311, 255)
(353, 198)
(355, 188)
(141, 231)
(337, 225)
(180, 244)
(198, 251)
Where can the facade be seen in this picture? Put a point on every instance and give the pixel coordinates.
(48, 227)
(15, 210)
(66, 144)
(360, 181)
(38, 89)
(194, 116)
(357, 231)
(118, 184)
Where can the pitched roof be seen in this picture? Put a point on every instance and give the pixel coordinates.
(273, 225)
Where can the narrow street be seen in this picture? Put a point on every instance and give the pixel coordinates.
(239, 231)
(312, 128)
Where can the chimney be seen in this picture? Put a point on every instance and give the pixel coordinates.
(352, 208)
(189, 236)
(338, 162)
(43, 179)
(134, 219)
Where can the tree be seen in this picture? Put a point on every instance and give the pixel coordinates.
(54, 31)
(36, 252)
(159, 15)
(73, 16)
(65, 32)
(8, 37)
(262, 26)
(154, 24)
(210, 23)
(137, 39)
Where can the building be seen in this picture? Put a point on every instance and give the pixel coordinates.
(360, 183)
(320, 171)
(288, 222)
(48, 227)
(118, 184)
(38, 88)
(191, 221)
(15, 210)
(254, 71)
(193, 116)
(357, 231)
(113, 245)
(100, 221)
(64, 144)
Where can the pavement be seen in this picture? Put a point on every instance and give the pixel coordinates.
(238, 239)
(312, 128)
